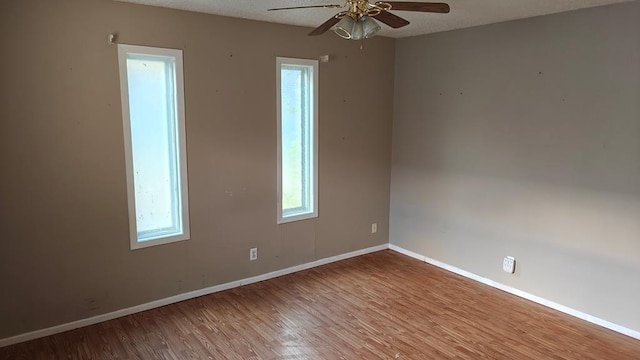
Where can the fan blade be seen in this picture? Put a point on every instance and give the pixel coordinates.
(326, 25)
(306, 7)
(417, 6)
(391, 20)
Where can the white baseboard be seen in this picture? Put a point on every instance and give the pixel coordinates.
(210, 290)
(181, 297)
(548, 303)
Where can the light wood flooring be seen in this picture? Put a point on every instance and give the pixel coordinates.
(378, 306)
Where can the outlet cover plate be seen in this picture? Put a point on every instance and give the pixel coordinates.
(509, 264)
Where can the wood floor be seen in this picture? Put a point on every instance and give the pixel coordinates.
(377, 306)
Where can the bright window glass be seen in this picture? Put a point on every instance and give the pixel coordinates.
(297, 139)
(153, 110)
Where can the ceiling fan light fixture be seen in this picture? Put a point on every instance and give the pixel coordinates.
(364, 28)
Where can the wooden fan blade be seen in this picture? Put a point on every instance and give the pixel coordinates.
(326, 26)
(391, 20)
(417, 6)
(307, 7)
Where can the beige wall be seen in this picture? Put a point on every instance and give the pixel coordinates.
(523, 139)
(64, 246)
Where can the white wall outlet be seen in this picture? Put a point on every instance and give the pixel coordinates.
(374, 228)
(509, 264)
(253, 254)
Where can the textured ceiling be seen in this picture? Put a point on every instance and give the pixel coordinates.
(464, 13)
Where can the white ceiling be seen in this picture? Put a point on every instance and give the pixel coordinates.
(464, 13)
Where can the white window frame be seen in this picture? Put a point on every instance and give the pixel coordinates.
(181, 150)
(314, 138)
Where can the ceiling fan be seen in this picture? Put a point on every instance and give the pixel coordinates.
(357, 21)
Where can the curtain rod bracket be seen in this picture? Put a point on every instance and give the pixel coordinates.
(112, 38)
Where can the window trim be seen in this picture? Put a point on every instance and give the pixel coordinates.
(314, 138)
(180, 138)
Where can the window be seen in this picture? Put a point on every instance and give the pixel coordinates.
(297, 99)
(151, 82)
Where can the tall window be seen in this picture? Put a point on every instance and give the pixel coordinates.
(151, 81)
(297, 89)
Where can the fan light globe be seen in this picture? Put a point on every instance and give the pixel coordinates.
(357, 33)
(369, 26)
(364, 28)
(344, 28)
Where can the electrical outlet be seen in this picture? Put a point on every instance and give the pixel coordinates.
(509, 264)
(374, 228)
(253, 254)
